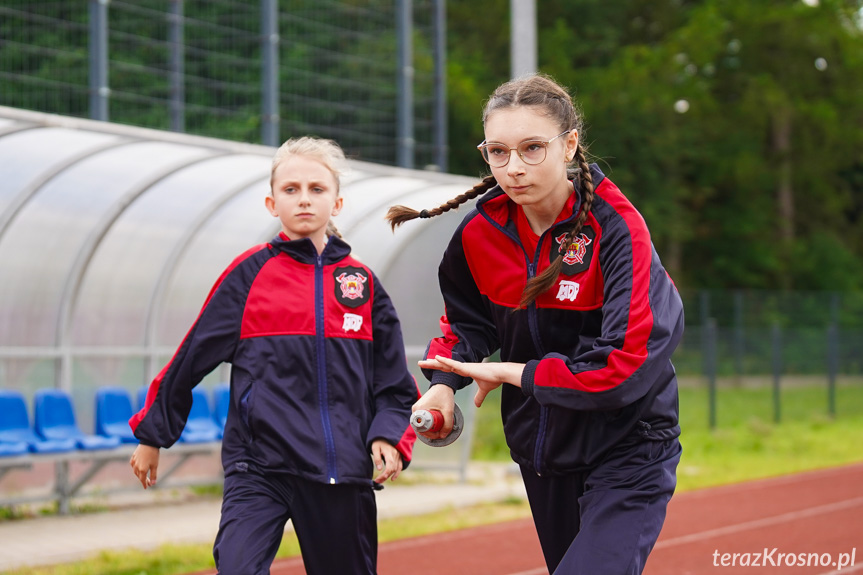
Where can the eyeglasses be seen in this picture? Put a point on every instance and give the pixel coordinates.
(530, 151)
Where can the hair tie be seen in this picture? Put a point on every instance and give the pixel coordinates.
(425, 214)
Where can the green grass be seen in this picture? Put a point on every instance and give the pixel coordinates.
(182, 559)
(747, 444)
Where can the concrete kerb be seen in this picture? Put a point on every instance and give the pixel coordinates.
(147, 520)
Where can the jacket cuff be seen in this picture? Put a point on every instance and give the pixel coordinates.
(527, 377)
(449, 379)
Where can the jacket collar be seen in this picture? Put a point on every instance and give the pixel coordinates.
(304, 251)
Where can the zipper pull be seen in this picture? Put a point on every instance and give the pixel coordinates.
(531, 270)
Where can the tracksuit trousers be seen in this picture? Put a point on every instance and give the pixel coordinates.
(336, 525)
(604, 521)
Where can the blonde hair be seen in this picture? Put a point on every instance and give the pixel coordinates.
(327, 152)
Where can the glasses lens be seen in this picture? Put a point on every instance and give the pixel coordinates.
(496, 155)
(532, 152)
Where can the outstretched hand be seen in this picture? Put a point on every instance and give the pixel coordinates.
(488, 376)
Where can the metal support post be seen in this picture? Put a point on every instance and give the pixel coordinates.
(270, 72)
(832, 354)
(776, 339)
(178, 87)
(739, 337)
(523, 40)
(441, 149)
(99, 91)
(406, 144)
(710, 368)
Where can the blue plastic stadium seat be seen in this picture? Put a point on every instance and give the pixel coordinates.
(15, 427)
(113, 411)
(55, 419)
(8, 449)
(222, 401)
(200, 427)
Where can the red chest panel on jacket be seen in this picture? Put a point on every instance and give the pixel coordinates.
(282, 301)
(499, 268)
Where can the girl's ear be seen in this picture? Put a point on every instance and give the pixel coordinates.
(337, 207)
(271, 206)
(571, 145)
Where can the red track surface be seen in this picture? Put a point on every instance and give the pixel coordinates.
(816, 513)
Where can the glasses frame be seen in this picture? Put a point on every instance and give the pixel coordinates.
(483, 150)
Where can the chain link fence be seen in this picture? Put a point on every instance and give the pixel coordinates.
(787, 352)
(205, 67)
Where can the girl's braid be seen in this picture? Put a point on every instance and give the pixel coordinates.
(546, 279)
(586, 184)
(397, 215)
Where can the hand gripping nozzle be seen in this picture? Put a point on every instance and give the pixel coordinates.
(432, 420)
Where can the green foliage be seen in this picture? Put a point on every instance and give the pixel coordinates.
(735, 127)
(764, 114)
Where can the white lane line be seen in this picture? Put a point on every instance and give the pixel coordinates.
(798, 478)
(851, 569)
(758, 523)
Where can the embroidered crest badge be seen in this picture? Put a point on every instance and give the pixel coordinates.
(350, 286)
(577, 257)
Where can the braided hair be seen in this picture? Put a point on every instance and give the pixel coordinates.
(543, 93)
(397, 215)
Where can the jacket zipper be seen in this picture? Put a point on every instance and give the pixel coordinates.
(322, 370)
(534, 329)
(534, 334)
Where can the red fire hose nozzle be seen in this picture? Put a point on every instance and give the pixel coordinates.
(432, 420)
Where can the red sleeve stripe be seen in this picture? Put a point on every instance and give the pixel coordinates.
(405, 445)
(157, 381)
(443, 345)
(624, 362)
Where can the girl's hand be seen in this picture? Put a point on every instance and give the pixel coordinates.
(387, 459)
(438, 398)
(145, 463)
(488, 376)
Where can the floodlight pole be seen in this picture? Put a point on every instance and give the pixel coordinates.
(523, 39)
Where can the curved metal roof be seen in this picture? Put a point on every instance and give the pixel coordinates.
(111, 236)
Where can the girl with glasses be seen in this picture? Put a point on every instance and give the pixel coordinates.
(554, 268)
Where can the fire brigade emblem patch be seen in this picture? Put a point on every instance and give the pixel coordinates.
(577, 257)
(351, 288)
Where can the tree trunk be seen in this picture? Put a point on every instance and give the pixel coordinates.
(784, 190)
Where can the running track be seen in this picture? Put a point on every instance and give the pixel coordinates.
(819, 512)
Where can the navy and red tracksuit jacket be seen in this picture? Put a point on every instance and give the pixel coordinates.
(318, 365)
(597, 345)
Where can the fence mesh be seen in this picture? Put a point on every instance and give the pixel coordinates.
(196, 66)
